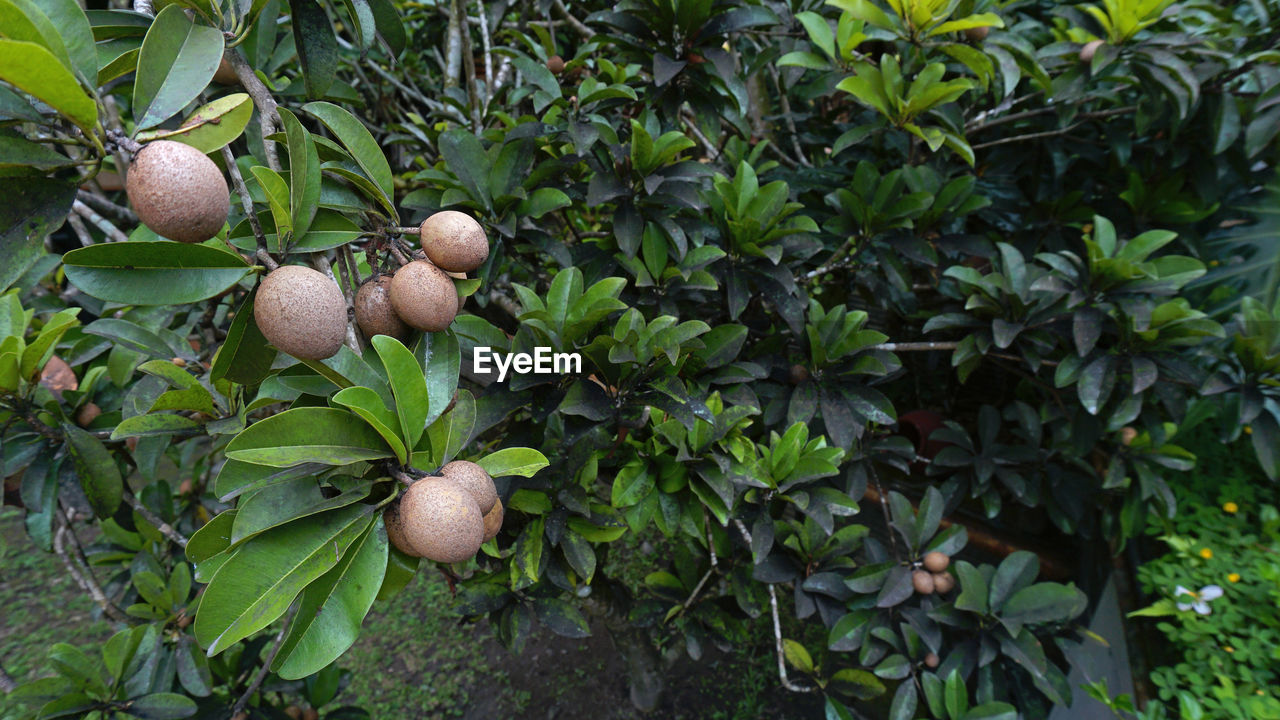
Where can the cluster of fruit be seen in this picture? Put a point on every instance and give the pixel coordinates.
(446, 518)
(180, 194)
(932, 576)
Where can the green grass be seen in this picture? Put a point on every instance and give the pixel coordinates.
(39, 605)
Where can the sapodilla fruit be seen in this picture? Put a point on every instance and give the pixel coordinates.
(454, 241)
(472, 478)
(423, 296)
(1089, 50)
(177, 191)
(226, 74)
(395, 531)
(441, 520)
(922, 581)
(936, 562)
(374, 313)
(943, 582)
(301, 312)
(493, 521)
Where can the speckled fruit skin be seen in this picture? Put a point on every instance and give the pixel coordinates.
(178, 192)
(922, 581)
(225, 74)
(441, 520)
(493, 521)
(454, 241)
(936, 562)
(374, 313)
(423, 296)
(943, 582)
(301, 312)
(472, 478)
(395, 531)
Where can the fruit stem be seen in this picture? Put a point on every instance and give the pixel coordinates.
(265, 259)
(399, 230)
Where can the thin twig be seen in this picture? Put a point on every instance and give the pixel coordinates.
(77, 226)
(469, 68)
(82, 577)
(104, 205)
(1081, 119)
(113, 233)
(453, 47)
(268, 116)
(347, 271)
(266, 664)
(777, 643)
(916, 346)
(143, 6)
(7, 685)
(485, 46)
(574, 22)
(246, 202)
(321, 263)
(165, 528)
(713, 152)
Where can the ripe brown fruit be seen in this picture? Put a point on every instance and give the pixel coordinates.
(395, 531)
(1089, 50)
(310, 714)
(184, 487)
(472, 478)
(301, 312)
(294, 712)
(936, 562)
(493, 521)
(178, 192)
(1127, 435)
(225, 74)
(798, 374)
(179, 362)
(454, 241)
(922, 582)
(423, 296)
(87, 414)
(943, 582)
(977, 34)
(374, 313)
(441, 520)
(555, 64)
(931, 660)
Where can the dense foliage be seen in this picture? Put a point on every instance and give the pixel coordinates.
(852, 283)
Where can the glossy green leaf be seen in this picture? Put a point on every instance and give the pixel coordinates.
(301, 435)
(369, 406)
(277, 193)
(441, 356)
(152, 424)
(33, 69)
(32, 209)
(293, 499)
(525, 462)
(333, 608)
(153, 273)
(449, 433)
(77, 36)
(257, 584)
(177, 61)
(408, 384)
(97, 470)
(245, 356)
(316, 44)
(211, 126)
(357, 139)
(304, 174)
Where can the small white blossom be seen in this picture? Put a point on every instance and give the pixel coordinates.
(1198, 601)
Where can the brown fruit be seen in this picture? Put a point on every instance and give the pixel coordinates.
(310, 714)
(936, 562)
(294, 712)
(374, 313)
(301, 312)
(943, 582)
(977, 34)
(441, 520)
(184, 619)
(225, 74)
(1128, 435)
(555, 64)
(454, 241)
(395, 531)
(178, 192)
(240, 716)
(184, 487)
(922, 582)
(931, 660)
(474, 480)
(798, 374)
(493, 521)
(87, 414)
(423, 296)
(1089, 50)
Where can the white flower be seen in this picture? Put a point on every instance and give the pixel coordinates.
(1198, 601)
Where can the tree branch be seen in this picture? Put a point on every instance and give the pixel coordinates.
(777, 644)
(85, 579)
(165, 528)
(266, 664)
(113, 233)
(106, 206)
(82, 233)
(1080, 120)
(268, 116)
(246, 202)
(7, 685)
(574, 22)
(321, 263)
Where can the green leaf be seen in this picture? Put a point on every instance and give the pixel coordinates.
(362, 23)
(465, 157)
(245, 356)
(20, 152)
(257, 584)
(304, 174)
(542, 201)
(279, 503)
(211, 126)
(177, 61)
(34, 70)
(408, 384)
(320, 435)
(561, 617)
(358, 141)
(153, 273)
(31, 210)
(276, 191)
(632, 483)
(317, 47)
(152, 424)
(1044, 602)
(451, 432)
(334, 607)
(77, 35)
(525, 462)
(24, 20)
(99, 475)
(973, 589)
(369, 406)
(440, 354)
(992, 711)
(797, 656)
